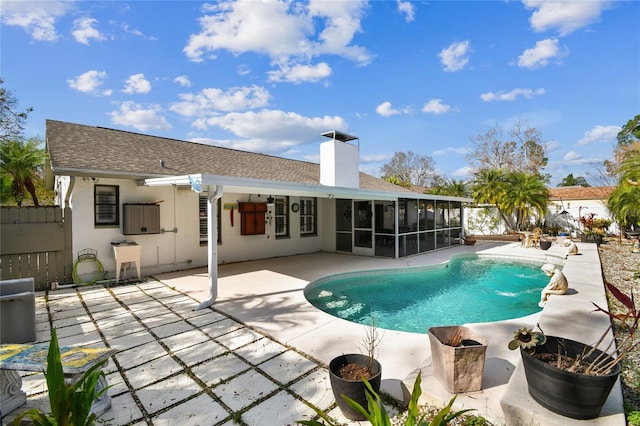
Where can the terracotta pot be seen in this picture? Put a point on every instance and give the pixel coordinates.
(579, 396)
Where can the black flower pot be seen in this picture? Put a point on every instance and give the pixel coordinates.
(545, 244)
(354, 389)
(591, 239)
(578, 396)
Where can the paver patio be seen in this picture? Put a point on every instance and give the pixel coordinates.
(258, 355)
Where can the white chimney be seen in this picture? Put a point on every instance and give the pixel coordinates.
(339, 162)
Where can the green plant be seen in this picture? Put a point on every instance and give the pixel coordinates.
(376, 414)
(633, 418)
(594, 226)
(476, 421)
(528, 340)
(70, 404)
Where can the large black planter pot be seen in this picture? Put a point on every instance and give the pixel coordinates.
(545, 244)
(354, 389)
(591, 239)
(578, 396)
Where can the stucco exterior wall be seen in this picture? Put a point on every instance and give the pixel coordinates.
(236, 247)
(178, 246)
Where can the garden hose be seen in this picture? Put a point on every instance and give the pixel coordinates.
(87, 255)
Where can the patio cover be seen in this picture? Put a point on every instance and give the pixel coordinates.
(216, 184)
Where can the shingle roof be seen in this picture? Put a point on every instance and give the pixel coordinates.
(580, 193)
(76, 149)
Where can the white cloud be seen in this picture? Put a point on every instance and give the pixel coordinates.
(463, 172)
(374, 158)
(301, 73)
(282, 30)
(599, 133)
(541, 54)
(450, 150)
(213, 101)
(137, 84)
(126, 28)
(565, 16)
(385, 110)
(182, 80)
(84, 31)
(406, 7)
(435, 106)
(140, 118)
(89, 82)
(512, 95)
(244, 69)
(271, 131)
(571, 156)
(455, 57)
(37, 18)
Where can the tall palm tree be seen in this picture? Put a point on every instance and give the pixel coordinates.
(489, 187)
(516, 195)
(20, 163)
(526, 194)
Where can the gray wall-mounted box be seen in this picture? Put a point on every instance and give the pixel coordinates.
(141, 219)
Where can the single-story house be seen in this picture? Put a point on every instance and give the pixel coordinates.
(569, 203)
(191, 205)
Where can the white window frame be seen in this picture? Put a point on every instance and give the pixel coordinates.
(308, 216)
(281, 216)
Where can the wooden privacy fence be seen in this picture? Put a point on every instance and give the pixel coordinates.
(36, 242)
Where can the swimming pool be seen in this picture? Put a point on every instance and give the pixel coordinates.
(468, 289)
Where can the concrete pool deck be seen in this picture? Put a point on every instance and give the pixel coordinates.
(245, 358)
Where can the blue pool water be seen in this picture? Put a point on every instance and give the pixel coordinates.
(468, 289)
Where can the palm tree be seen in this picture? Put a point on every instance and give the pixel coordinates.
(20, 163)
(489, 187)
(516, 195)
(624, 201)
(452, 187)
(526, 194)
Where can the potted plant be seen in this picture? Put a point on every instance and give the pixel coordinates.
(545, 244)
(70, 403)
(376, 414)
(469, 239)
(458, 358)
(594, 229)
(348, 372)
(571, 378)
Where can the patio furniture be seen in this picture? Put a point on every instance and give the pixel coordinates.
(17, 311)
(75, 362)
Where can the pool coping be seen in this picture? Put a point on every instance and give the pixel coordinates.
(269, 296)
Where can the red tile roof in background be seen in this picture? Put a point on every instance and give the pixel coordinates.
(580, 193)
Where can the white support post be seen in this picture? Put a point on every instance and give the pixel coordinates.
(212, 244)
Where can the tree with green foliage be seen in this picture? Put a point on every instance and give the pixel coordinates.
(21, 163)
(411, 168)
(624, 201)
(526, 195)
(516, 195)
(570, 180)
(397, 181)
(628, 142)
(450, 187)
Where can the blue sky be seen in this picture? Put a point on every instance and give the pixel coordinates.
(270, 77)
